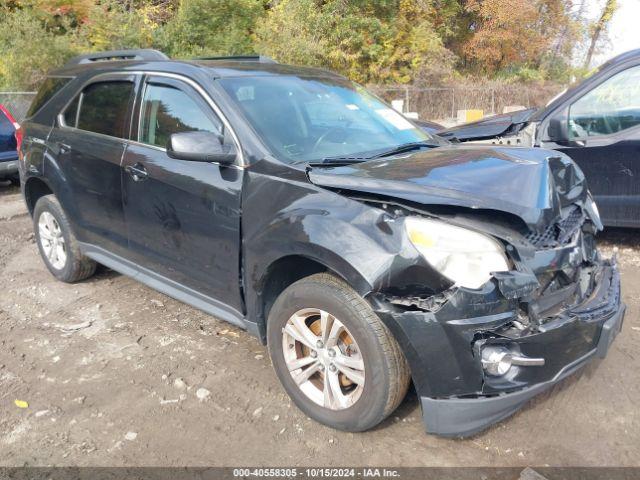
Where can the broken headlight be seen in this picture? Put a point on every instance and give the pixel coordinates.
(466, 257)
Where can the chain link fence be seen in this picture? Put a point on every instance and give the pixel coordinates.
(441, 104)
(17, 103)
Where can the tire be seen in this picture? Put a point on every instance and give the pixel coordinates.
(386, 375)
(75, 266)
(15, 180)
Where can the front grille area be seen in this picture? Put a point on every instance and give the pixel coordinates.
(558, 234)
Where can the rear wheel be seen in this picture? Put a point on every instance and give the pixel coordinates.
(57, 243)
(334, 356)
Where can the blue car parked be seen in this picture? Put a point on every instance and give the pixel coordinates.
(8, 146)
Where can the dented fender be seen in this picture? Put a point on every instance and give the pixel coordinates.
(364, 245)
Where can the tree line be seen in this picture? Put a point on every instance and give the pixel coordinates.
(418, 42)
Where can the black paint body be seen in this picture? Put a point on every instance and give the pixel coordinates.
(229, 238)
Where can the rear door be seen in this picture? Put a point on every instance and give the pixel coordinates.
(88, 144)
(604, 126)
(183, 217)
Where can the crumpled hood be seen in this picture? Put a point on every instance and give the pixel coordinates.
(531, 183)
(488, 127)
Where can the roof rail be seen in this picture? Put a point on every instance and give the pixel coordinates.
(241, 58)
(140, 54)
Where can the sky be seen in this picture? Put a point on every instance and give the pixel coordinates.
(624, 29)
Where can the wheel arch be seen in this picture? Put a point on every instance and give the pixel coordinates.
(286, 270)
(34, 189)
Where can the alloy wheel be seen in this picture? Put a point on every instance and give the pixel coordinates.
(323, 358)
(52, 240)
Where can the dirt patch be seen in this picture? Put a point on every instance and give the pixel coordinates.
(117, 374)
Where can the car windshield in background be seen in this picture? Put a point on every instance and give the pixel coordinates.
(309, 119)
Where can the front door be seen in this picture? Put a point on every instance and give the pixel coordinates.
(604, 125)
(183, 217)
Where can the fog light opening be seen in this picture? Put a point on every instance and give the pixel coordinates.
(496, 361)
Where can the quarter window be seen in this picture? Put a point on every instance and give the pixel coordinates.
(167, 110)
(611, 107)
(49, 88)
(104, 108)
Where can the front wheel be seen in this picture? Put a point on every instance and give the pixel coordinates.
(335, 358)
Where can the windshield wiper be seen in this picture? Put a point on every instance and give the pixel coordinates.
(337, 161)
(405, 147)
(349, 159)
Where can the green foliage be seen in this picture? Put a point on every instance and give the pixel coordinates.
(34, 40)
(382, 41)
(110, 26)
(210, 27)
(417, 53)
(522, 73)
(294, 32)
(29, 48)
(422, 42)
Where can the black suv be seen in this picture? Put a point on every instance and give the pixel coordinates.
(363, 251)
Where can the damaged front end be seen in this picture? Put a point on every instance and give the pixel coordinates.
(477, 355)
(531, 301)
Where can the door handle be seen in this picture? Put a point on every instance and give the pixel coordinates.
(64, 148)
(138, 172)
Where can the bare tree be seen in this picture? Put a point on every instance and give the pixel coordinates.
(607, 12)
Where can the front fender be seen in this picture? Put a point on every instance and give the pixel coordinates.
(364, 244)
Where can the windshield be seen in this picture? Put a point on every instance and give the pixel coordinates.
(310, 119)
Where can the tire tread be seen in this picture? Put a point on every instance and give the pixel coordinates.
(82, 267)
(397, 366)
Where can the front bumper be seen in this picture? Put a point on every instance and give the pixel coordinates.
(462, 417)
(457, 397)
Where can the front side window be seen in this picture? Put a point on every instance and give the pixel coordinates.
(308, 118)
(104, 108)
(609, 108)
(167, 110)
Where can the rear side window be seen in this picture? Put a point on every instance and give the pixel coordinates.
(104, 108)
(47, 90)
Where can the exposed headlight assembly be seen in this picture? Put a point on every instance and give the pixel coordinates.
(465, 257)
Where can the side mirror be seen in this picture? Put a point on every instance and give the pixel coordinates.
(558, 129)
(201, 147)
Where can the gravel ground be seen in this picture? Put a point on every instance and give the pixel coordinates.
(117, 374)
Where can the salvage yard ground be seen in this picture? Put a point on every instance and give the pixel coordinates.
(117, 374)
